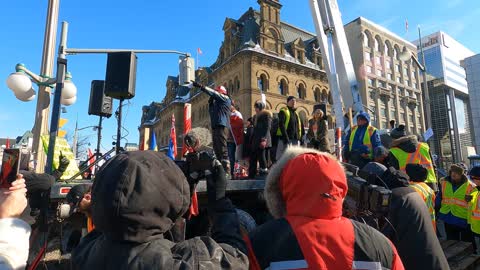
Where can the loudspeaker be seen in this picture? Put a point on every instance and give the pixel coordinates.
(100, 104)
(321, 106)
(121, 73)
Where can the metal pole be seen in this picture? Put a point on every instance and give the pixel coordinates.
(61, 69)
(43, 97)
(426, 95)
(456, 134)
(99, 140)
(119, 127)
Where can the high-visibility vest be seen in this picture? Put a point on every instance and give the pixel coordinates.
(428, 196)
(287, 121)
(420, 156)
(454, 202)
(474, 213)
(366, 139)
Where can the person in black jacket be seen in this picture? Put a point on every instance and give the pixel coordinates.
(262, 141)
(219, 106)
(290, 127)
(412, 232)
(136, 198)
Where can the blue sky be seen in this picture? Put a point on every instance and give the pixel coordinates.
(178, 25)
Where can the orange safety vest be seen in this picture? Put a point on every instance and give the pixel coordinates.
(90, 226)
(428, 196)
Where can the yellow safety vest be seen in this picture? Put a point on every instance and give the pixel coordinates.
(366, 139)
(474, 213)
(287, 121)
(420, 156)
(455, 202)
(428, 196)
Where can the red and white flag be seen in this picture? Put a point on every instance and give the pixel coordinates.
(199, 51)
(187, 122)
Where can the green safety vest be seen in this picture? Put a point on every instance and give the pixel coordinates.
(287, 121)
(474, 213)
(366, 139)
(454, 202)
(420, 156)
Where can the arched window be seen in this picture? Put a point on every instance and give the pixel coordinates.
(396, 53)
(262, 83)
(330, 98)
(318, 95)
(230, 88)
(377, 45)
(324, 96)
(301, 93)
(365, 40)
(237, 84)
(282, 87)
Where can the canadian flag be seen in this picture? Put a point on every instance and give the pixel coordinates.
(199, 51)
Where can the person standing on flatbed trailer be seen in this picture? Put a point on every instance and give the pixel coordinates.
(290, 127)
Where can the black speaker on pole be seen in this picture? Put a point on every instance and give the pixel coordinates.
(121, 73)
(100, 104)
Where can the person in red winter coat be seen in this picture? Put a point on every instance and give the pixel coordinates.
(235, 138)
(304, 191)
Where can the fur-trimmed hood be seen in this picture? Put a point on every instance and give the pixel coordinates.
(264, 114)
(306, 182)
(407, 143)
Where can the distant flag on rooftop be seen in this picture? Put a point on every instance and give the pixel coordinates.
(199, 51)
(406, 25)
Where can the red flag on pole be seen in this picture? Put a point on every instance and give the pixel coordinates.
(173, 137)
(187, 122)
(7, 144)
(199, 51)
(91, 159)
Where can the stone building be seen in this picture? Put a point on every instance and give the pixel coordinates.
(259, 54)
(390, 88)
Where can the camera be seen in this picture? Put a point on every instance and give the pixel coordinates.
(195, 165)
(364, 195)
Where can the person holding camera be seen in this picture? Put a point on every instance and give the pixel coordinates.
(318, 132)
(304, 192)
(136, 198)
(219, 107)
(261, 142)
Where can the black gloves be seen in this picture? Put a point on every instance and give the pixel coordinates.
(216, 183)
(63, 163)
(196, 84)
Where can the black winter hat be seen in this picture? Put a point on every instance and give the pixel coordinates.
(259, 105)
(416, 172)
(290, 98)
(398, 132)
(475, 171)
(137, 196)
(76, 193)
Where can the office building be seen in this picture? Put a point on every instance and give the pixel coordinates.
(472, 68)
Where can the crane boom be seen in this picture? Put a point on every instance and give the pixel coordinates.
(337, 59)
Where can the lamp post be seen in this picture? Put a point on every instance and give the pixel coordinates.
(20, 83)
(405, 56)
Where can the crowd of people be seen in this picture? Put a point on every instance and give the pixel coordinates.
(139, 201)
